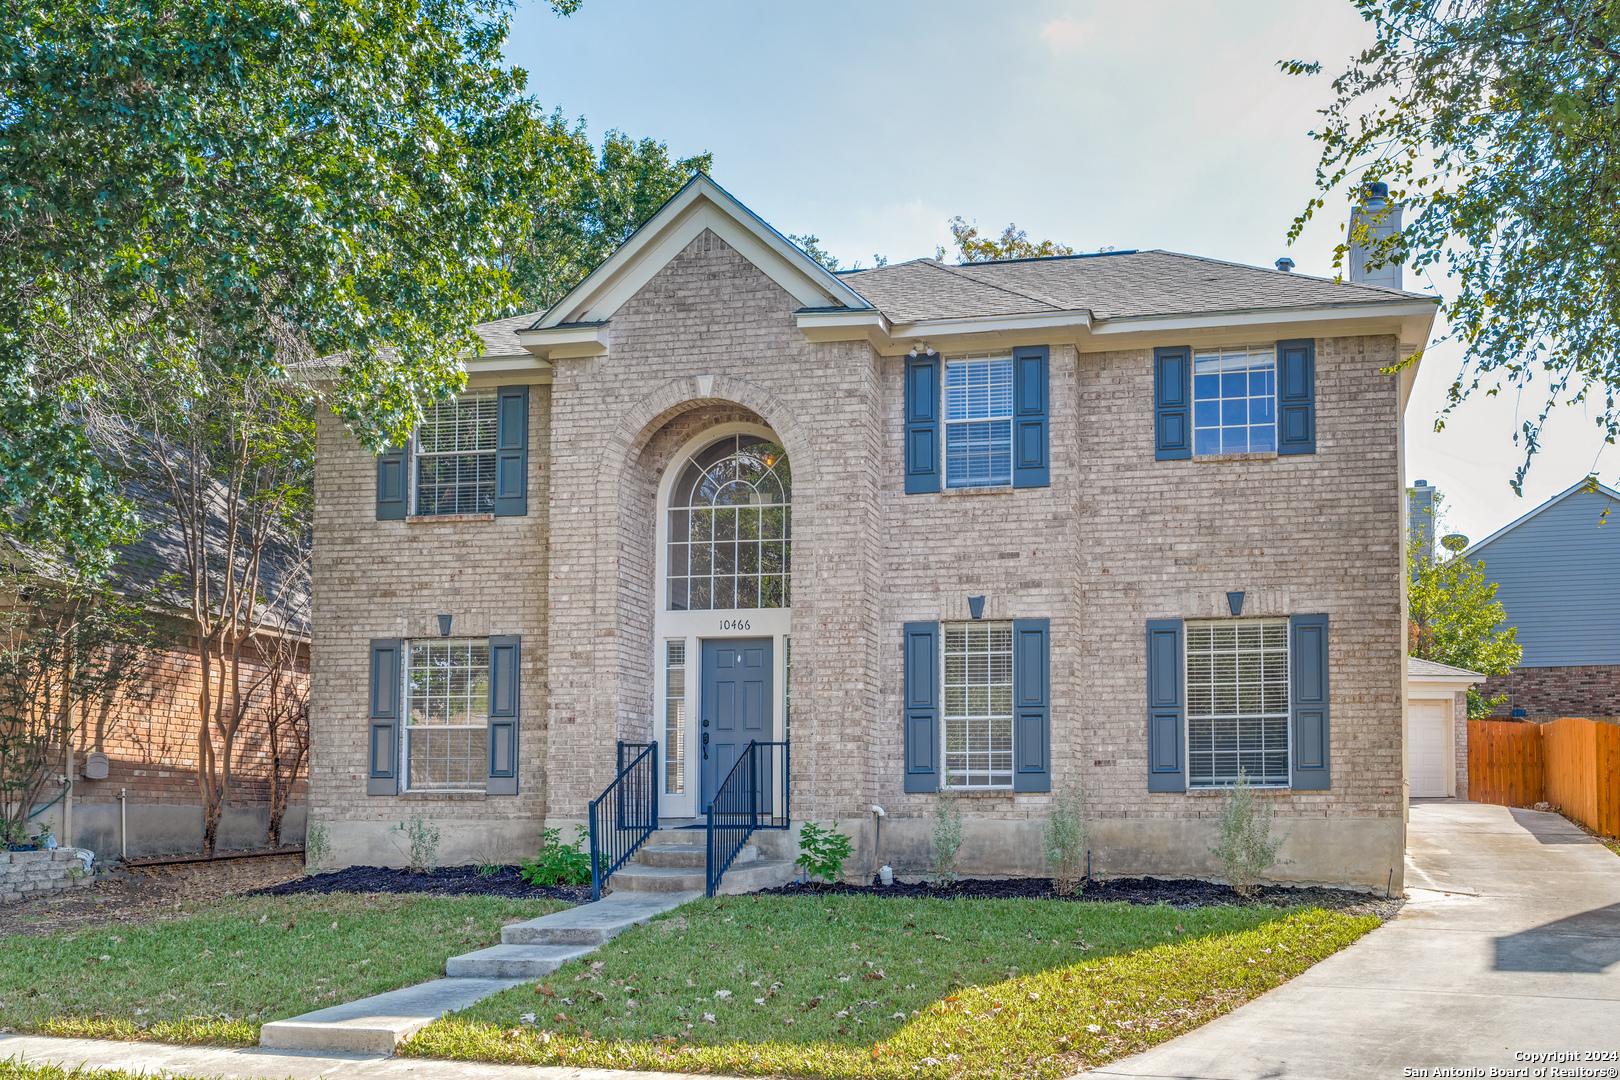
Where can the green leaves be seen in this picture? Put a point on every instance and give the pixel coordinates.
(1496, 122)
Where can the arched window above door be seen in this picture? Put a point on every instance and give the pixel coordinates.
(730, 527)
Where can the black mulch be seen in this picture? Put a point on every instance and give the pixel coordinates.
(445, 881)
(1180, 893)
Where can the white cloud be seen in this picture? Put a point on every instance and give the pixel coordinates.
(1069, 33)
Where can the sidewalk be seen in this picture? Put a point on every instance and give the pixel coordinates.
(1510, 942)
(255, 1064)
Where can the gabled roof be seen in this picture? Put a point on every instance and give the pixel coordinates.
(701, 204)
(1109, 285)
(1419, 669)
(1583, 485)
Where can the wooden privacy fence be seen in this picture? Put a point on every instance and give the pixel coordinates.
(1573, 764)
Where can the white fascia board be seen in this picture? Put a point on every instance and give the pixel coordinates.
(703, 204)
(564, 343)
(1426, 685)
(1603, 489)
(493, 370)
(841, 325)
(1394, 316)
(991, 331)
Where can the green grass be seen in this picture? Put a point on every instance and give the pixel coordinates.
(868, 987)
(216, 974)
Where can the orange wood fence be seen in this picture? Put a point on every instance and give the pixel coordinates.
(1504, 762)
(1574, 764)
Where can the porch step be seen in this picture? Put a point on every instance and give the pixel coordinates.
(374, 1025)
(686, 856)
(740, 878)
(513, 961)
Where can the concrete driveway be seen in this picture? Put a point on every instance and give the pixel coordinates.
(1510, 943)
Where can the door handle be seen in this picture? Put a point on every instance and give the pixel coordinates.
(705, 744)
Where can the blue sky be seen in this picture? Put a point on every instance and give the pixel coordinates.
(1139, 125)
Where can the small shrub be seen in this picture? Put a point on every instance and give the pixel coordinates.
(1246, 849)
(822, 851)
(1064, 839)
(558, 863)
(947, 835)
(317, 847)
(422, 838)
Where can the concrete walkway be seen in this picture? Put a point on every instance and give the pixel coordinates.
(1510, 943)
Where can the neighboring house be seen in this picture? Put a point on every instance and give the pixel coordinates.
(1132, 521)
(1557, 572)
(1437, 728)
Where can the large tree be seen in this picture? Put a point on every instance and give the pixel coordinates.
(1497, 124)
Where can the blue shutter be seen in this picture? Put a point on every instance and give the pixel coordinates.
(512, 452)
(503, 716)
(1308, 701)
(393, 483)
(383, 748)
(1296, 397)
(1166, 706)
(1172, 403)
(1032, 705)
(921, 692)
(1031, 464)
(922, 425)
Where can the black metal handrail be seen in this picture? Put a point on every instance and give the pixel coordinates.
(754, 795)
(633, 800)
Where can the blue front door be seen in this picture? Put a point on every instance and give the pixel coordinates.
(736, 705)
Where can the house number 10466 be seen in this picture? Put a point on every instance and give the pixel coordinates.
(735, 624)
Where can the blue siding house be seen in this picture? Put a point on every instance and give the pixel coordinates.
(1557, 571)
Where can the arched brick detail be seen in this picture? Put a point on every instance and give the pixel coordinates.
(644, 419)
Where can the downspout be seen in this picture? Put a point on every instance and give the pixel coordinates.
(123, 825)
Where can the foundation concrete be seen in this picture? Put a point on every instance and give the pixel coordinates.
(1509, 945)
(461, 842)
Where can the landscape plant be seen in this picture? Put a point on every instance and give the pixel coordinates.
(947, 835)
(822, 851)
(1063, 839)
(421, 845)
(557, 863)
(1245, 848)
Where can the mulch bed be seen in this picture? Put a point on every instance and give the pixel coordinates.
(445, 881)
(1180, 893)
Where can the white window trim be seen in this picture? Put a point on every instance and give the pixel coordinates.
(946, 424)
(1192, 416)
(1187, 717)
(944, 767)
(695, 627)
(405, 725)
(414, 455)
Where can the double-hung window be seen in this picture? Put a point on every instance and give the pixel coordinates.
(1237, 702)
(979, 421)
(1235, 400)
(456, 456)
(978, 698)
(447, 714)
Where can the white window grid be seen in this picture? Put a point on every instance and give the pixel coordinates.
(977, 719)
(1237, 702)
(675, 716)
(1235, 399)
(455, 456)
(446, 714)
(731, 535)
(978, 420)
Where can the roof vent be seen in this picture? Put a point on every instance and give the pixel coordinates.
(1285, 264)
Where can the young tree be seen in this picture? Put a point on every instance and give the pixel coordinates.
(286, 717)
(1453, 617)
(1495, 123)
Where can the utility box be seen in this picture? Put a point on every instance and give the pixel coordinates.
(95, 766)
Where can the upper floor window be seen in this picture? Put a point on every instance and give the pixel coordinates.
(978, 421)
(730, 527)
(1237, 702)
(456, 448)
(1235, 400)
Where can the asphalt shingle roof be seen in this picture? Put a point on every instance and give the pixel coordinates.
(1414, 666)
(1115, 285)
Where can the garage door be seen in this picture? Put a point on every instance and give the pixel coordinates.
(1428, 725)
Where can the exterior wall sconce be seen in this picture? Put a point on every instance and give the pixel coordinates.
(444, 625)
(1234, 600)
(976, 606)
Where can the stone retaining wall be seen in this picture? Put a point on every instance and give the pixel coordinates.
(28, 875)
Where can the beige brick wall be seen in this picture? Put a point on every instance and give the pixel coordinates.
(382, 579)
(1117, 539)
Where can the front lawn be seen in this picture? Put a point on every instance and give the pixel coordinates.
(842, 986)
(216, 974)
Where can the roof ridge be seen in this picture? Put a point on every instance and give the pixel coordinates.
(1385, 290)
(956, 271)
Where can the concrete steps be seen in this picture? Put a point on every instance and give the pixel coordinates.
(674, 860)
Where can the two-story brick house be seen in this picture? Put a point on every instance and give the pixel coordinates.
(1132, 520)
